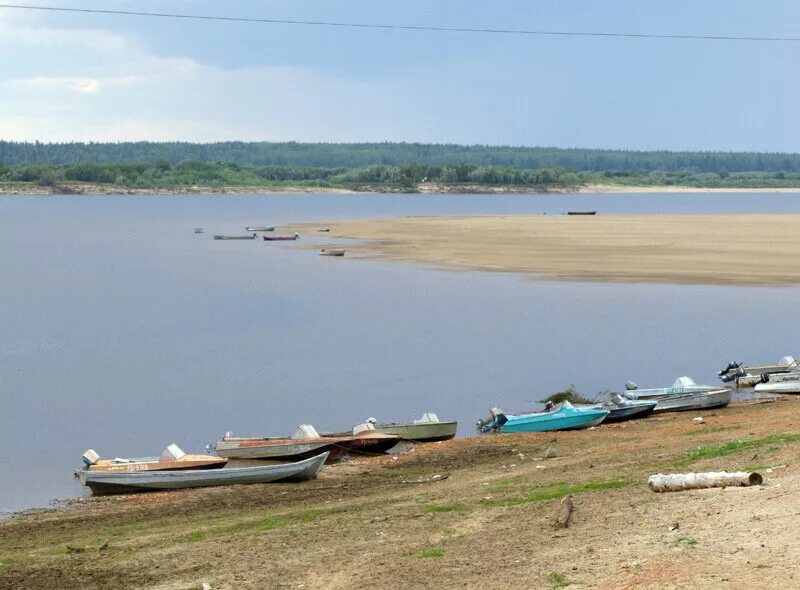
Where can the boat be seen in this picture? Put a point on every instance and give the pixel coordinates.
(305, 442)
(198, 230)
(324, 229)
(680, 385)
(581, 212)
(221, 237)
(260, 228)
(172, 459)
(620, 408)
(682, 402)
(427, 429)
(331, 252)
(748, 376)
(779, 387)
(142, 481)
(562, 417)
(281, 238)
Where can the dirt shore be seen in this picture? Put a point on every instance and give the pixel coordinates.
(487, 520)
(688, 249)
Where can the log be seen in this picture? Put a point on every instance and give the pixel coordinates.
(690, 481)
(566, 512)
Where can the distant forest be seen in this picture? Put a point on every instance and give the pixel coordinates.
(358, 155)
(379, 166)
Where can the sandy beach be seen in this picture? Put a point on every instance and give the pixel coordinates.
(685, 249)
(475, 512)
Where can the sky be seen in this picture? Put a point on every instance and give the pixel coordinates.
(85, 77)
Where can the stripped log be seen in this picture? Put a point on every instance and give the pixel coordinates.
(566, 512)
(690, 481)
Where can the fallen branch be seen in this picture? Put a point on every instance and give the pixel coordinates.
(690, 481)
(566, 512)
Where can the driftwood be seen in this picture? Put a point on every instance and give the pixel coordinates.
(690, 481)
(565, 513)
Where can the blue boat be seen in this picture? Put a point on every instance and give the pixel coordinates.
(563, 417)
(620, 408)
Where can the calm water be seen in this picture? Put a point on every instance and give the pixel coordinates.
(122, 331)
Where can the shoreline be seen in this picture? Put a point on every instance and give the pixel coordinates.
(433, 517)
(89, 189)
(711, 249)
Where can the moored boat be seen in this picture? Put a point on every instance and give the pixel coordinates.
(748, 376)
(581, 212)
(427, 429)
(562, 417)
(221, 237)
(620, 408)
(692, 400)
(281, 238)
(140, 481)
(780, 386)
(331, 252)
(172, 459)
(260, 228)
(305, 442)
(681, 385)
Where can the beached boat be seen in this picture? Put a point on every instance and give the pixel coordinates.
(581, 212)
(748, 376)
(305, 442)
(323, 229)
(172, 459)
(562, 417)
(331, 252)
(681, 385)
(620, 408)
(427, 429)
(280, 238)
(780, 383)
(141, 481)
(221, 237)
(260, 228)
(682, 402)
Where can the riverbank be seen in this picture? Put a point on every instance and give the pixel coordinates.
(85, 188)
(739, 250)
(486, 521)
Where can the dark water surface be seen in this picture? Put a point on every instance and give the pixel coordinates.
(122, 331)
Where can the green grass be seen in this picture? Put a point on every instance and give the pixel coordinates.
(559, 491)
(429, 553)
(196, 537)
(444, 508)
(271, 523)
(712, 429)
(686, 541)
(310, 515)
(557, 580)
(735, 446)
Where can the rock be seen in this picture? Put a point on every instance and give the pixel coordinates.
(674, 526)
(699, 420)
(206, 586)
(550, 453)
(380, 519)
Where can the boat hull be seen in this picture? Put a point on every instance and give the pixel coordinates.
(623, 413)
(265, 449)
(548, 422)
(102, 483)
(694, 401)
(779, 387)
(427, 432)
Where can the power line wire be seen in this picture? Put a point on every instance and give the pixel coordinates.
(431, 28)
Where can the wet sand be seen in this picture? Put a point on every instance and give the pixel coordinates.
(746, 250)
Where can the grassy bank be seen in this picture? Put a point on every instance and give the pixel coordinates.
(387, 522)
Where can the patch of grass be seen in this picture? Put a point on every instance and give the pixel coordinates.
(735, 446)
(561, 490)
(310, 515)
(444, 508)
(557, 580)
(271, 523)
(433, 552)
(196, 537)
(686, 541)
(589, 550)
(452, 535)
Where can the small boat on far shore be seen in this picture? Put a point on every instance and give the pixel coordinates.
(748, 376)
(331, 252)
(581, 212)
(221, 237)
(323, 229)
(260, 228)
(172, 459)
(281, 238)
(620, 409)
(427, 429)
(683, 402)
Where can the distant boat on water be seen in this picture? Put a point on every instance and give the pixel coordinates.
(221, 237)
(581, 212)
(331, 252)
(324, 229)
(260, 228)
(281, 238)
(198, 230)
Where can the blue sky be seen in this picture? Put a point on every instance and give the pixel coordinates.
(88, 77)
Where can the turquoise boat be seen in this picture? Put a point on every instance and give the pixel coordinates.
(563, 417)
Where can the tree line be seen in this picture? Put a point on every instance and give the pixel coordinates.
(333, 156)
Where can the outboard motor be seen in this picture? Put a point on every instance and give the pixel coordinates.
(731, 367)
(493, 421)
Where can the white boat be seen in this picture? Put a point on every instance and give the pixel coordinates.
(681, 385)
(748, 376)
(260, 228)
(427, 429)
(783, 385)
(690, 400)
(142, 481)
(331, 252)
